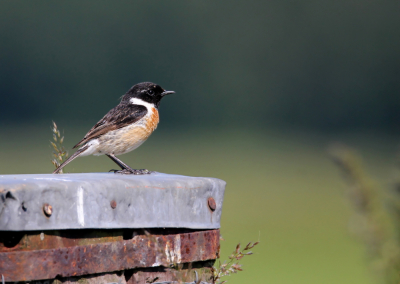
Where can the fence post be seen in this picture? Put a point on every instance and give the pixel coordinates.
(109, 228)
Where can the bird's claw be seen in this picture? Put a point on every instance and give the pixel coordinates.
(132, 172)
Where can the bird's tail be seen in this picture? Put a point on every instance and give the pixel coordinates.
(75, 155)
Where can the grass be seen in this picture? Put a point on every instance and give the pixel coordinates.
(282, 189)
(59, 152)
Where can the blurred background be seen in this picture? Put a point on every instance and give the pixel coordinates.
(262, 89)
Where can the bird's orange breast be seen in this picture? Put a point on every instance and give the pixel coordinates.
(130, 137)
(153, 120)
(141, 130)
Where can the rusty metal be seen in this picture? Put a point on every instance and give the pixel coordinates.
(106, 228)
(185, 275)
(177, 282)
(212, 204)
(150, 249)
(113, 204)
(196, 281)
(36, 240)
(47, 209)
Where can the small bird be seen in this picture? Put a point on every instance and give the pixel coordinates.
(123, 128)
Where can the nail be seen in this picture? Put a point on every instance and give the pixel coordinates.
(212, 204)
(113, 204)
(47, 209)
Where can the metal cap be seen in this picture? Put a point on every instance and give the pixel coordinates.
(109, 201)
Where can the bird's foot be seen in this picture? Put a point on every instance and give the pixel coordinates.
(132, 172)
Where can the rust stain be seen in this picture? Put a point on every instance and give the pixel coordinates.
(109, 256)
(148, 186)
(24, 241)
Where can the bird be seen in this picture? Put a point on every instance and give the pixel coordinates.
(124, 128)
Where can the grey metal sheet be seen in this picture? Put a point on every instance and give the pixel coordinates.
(82, 201)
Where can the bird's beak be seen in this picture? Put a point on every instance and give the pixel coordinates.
(167, 93)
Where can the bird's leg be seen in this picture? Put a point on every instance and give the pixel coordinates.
(121, 164)
(127, 170)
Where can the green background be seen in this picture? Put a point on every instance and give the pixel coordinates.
(262, 90)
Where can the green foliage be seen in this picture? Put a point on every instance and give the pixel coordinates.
(231, 266)
(377, 226)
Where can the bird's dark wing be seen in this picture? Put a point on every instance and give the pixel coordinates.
(116, 118)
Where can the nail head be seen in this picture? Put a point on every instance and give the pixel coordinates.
(113, 204)
(47, 209)
(212, 204)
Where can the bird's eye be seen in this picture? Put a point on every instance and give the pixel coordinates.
(151, 92)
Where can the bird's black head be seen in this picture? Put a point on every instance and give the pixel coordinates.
(147, 92)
